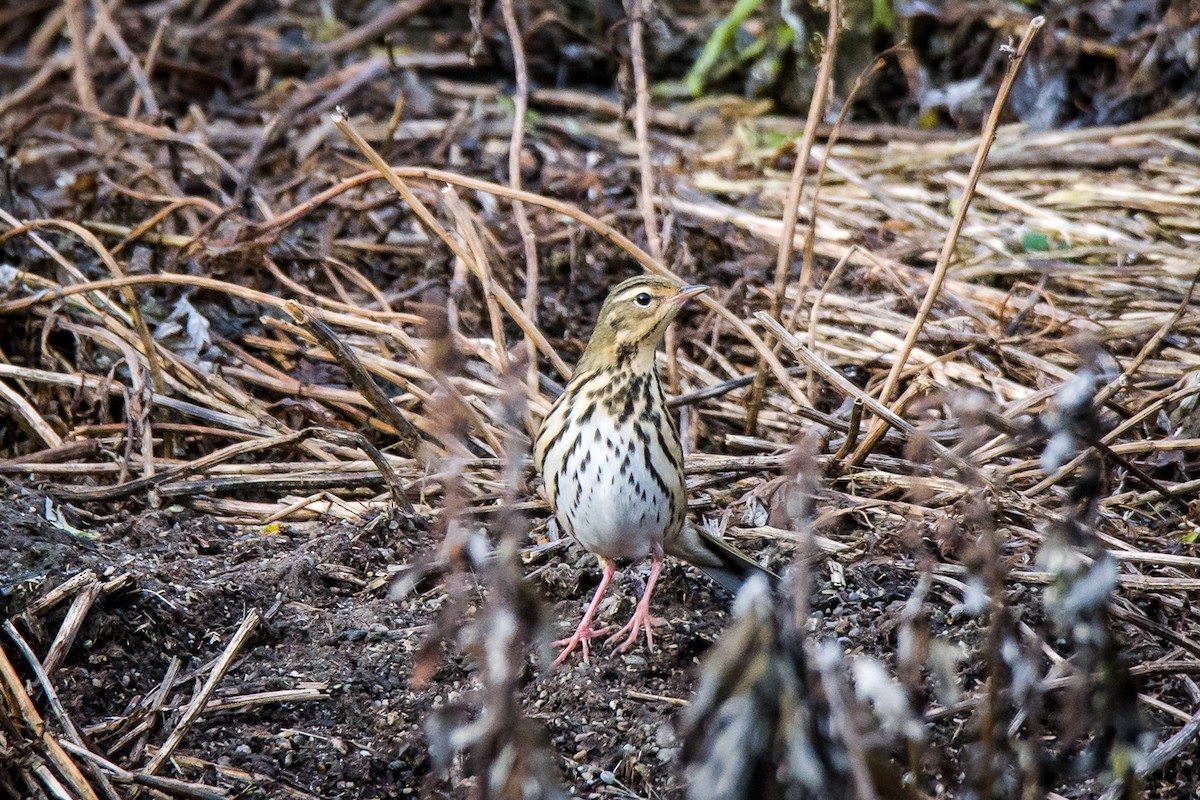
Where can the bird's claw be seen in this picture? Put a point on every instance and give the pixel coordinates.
(641, 620)
(582, 636)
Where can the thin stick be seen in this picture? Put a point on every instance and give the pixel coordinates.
(815, 311)
(151, 62)
(636, 10)
(392, 176)
(200, 700)
(266, 698)
(70, 627)
(372, 29)
(791, 207)
(468, 230)
(410, 439)
(856, 410)
(810, 233)
(153, 708)
(879, 427)
(81, 76)
(12, 688)
(678, 702)
(516, 144)
(56, 706)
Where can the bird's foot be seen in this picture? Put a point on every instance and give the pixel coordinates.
(583, 635)
(641, 620)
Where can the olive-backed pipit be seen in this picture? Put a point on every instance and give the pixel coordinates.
(609, 454)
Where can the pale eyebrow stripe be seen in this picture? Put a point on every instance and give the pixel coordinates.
(632, 292)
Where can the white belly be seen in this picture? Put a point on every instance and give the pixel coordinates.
(609, 496)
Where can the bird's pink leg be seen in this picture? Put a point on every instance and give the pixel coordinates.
(641, 616)
(584, 632)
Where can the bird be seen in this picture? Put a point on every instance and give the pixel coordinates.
(611, 462)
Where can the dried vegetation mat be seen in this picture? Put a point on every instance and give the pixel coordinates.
(268, 382)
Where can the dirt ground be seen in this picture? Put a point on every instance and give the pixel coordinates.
(611, 725)
(193, 581)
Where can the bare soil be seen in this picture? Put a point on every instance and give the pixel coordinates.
(193, 581)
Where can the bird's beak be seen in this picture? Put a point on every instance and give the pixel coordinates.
(687, 293)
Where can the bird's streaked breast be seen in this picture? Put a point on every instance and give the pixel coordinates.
(610, 459)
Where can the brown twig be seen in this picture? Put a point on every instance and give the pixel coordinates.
(515, 153)
(879, 427)
(409, 437)
(810, 230)
(70, 627)
(637, 10)
(371, 30)
(200, 700)
(22, 708)
(82, 73)
(791, 206)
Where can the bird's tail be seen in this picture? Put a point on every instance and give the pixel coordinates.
(720, 561)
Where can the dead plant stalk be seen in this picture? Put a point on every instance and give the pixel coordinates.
(791, 207)
(879, 426)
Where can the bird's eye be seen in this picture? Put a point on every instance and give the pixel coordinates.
(642, 300)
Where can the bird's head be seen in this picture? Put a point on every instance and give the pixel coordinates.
(633, 319)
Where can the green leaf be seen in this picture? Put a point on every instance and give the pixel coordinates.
(55, 517)
(1035, 242)
(718, 43)
(882, 16)
(509, 107)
